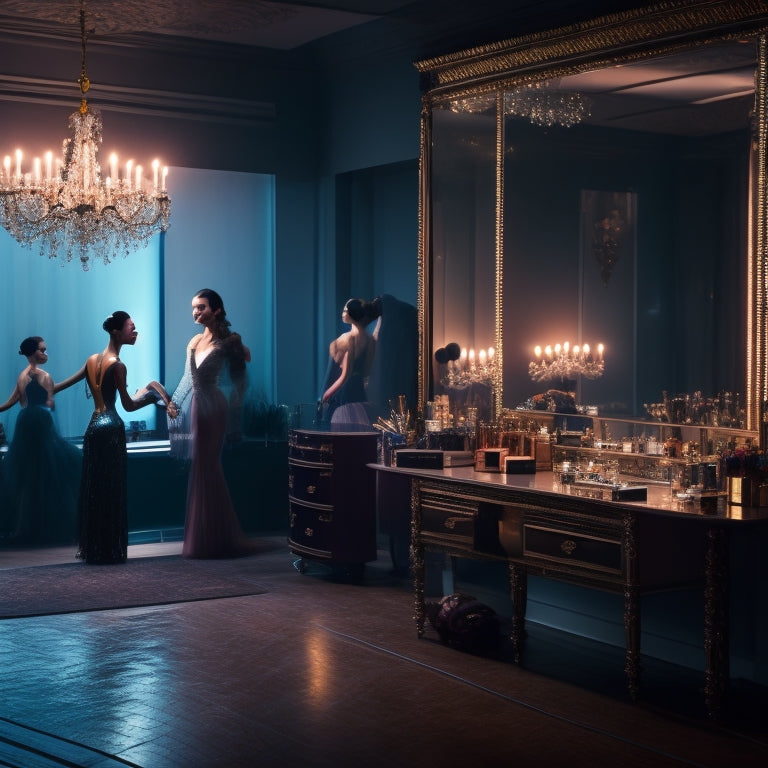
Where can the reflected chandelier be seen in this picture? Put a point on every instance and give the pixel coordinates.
(68, 207)
(544, 105)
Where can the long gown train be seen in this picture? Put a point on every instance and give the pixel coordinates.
(104, 486)
(42, 475)
(211, 527)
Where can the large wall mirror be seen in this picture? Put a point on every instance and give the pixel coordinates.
(599, 185)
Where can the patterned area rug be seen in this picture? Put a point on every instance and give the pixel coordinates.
(51, 589)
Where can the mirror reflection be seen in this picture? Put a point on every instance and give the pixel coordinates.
(625, 196)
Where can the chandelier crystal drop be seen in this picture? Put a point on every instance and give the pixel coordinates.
(66, 207)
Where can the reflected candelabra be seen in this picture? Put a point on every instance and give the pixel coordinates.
(564, 362)
(468, 368)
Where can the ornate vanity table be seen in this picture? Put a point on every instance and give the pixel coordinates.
(539, 527)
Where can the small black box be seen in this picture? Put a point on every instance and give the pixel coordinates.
(520, 465)
(418, 458)
(629, 493)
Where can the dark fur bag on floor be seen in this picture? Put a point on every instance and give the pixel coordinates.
(464, 623)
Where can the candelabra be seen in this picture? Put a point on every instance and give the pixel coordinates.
(566, 363)
(469, 369)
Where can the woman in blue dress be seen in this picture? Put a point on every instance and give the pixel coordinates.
(103, 504)
(350, 360)
(41, 470)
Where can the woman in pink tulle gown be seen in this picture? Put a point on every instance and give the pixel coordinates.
(208, 400)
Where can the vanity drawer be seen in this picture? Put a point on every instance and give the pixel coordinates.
(560, 545)
(450, 520)
(311, 527)
(310, 482)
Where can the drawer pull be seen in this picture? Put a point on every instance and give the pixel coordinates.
(451, 522)
(309, 533)
(568, 546)
(311, 489)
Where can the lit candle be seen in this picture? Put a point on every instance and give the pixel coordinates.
(18, 164)
(482, 356)
(113, 167)
(471, 358)
(548, 351)
(586, 349)
(128, 173)
(155, 171)
(138, 177)
(492, 352)
(557, 349)
(576, 350)
(600, 349)
(566, 347)
(48, 165)
(537, 351)
(165, 175)
(463, 357)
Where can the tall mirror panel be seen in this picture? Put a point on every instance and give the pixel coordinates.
(593, 213)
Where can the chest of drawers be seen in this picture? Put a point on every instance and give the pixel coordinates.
(332, 496)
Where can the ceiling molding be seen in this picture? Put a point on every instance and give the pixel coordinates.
(139, 101)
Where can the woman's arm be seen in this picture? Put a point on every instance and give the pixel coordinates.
(73, 379)
(12, 400)
(141, 398)
(336, 386)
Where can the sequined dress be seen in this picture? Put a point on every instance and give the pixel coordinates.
(103, 508)
(42, 474)
(211, 527)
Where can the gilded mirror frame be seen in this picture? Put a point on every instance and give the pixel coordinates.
(618, 38)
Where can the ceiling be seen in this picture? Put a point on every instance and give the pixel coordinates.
(290, 24)
(281, 25)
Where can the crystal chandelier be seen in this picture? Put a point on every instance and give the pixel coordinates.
(566, 363)
(545, 106)
(67, 207)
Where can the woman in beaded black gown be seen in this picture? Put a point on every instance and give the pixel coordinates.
(208, 400)
(41, 470)
(103, 503)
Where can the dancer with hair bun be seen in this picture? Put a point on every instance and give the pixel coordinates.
(350, 360)
(103, 505)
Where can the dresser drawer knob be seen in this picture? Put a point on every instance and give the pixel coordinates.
(311, 489)
(568, 546)
(309, 533)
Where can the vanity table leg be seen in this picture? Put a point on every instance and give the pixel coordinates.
(632, 607)
(716, 621)
(518, 583)
(417, 558)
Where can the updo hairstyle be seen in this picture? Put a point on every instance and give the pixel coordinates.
(115, 321)
(29, 345)
(367, 311)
